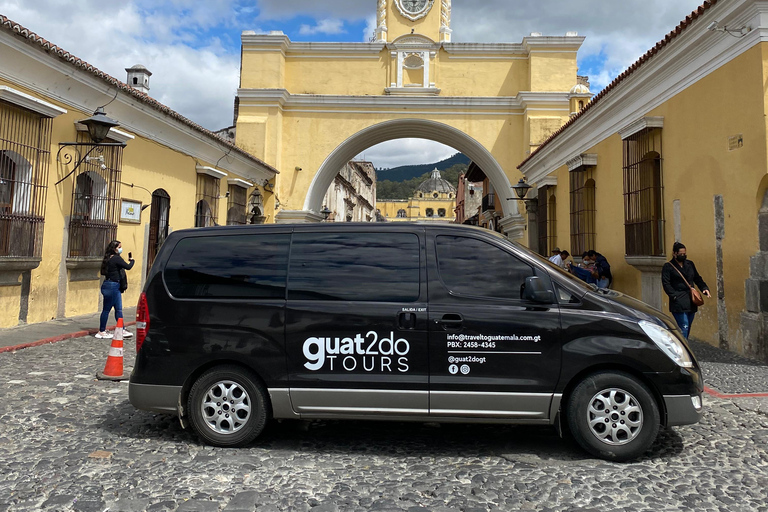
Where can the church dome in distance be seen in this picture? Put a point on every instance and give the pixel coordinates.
(436, 183)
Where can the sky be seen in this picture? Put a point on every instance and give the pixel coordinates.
(192, 47)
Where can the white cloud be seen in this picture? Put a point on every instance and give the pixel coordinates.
(395, 153)
(327, 26)
(192, 46)
(197, 79)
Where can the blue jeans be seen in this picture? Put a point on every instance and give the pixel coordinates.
(684, 321)
(112, 299)
(583, 274)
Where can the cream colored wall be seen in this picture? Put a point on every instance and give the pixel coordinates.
(364, 75)
(146, 164)
(308, 138)
(485, 77)
(349, 77)
(550, 71)
(697, 165)
(263, 68)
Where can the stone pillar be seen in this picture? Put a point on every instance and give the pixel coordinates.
(754, 321)
(650, 276)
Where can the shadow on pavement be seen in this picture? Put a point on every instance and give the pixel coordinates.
(515, 443)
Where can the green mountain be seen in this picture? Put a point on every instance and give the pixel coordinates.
(387, 188)
(409, 172)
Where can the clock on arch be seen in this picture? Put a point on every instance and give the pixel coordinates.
(414, 9)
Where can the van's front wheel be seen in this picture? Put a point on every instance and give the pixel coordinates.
(228, 406)
(613, 415)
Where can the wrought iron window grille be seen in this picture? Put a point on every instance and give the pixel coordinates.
(643, 194)
(24, 162)
(583, 210)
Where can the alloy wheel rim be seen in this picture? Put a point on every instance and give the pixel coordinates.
(615, 416)
(226, 407)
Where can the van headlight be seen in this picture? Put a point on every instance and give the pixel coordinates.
(668, 343)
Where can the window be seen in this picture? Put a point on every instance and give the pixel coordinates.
(441, 212)
(95, 202)
(430, 212)
(381, 267)
(583, 211)
(236, 214)
(435, 195)
(158, 223)
(402, 214)
(643, 188)
(229, 267)
(547, 220)
(24, 159)
(207, 201)
(478, 269)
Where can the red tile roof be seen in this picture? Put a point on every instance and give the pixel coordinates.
(634, 67)
(52, 49)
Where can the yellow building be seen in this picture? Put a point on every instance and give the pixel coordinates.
(675, 149)
(63, 198)
(433, 201)
(316, 106)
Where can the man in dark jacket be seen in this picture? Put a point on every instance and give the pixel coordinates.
(602, 271)
(680, 304)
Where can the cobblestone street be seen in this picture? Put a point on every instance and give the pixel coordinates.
(70, 442)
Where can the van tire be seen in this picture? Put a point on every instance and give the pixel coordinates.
(228, 406)
(631, 412)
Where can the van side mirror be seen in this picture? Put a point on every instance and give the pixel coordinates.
(535, 290)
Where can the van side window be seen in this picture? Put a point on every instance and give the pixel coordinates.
(476, 268)
(229, 267)
(380, 267)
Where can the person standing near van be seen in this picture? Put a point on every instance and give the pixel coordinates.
(111, 266)
(678, 276)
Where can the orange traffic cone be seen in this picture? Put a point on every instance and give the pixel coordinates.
(113, 370)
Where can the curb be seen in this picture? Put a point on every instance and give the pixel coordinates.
(55, 339)
(717, 394)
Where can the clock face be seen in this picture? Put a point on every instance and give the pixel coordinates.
(413, 6)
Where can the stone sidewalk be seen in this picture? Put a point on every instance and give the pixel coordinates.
(58, 330)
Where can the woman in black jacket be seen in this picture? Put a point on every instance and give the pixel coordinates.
(680, 304)
(110, 288)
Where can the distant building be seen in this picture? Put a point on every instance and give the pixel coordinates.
(352, 196)
(434, 200)
(469, 198)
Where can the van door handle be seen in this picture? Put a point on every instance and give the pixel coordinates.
(406, 321)
(452, 322)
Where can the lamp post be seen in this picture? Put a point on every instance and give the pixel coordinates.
(99, 125)
(98, 129)
(521, 191)
(325, 212)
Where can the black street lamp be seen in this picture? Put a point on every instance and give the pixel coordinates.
(98, 129)
(521, 191)
(325, 212)
(99, 125)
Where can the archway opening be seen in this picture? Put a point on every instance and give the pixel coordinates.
(413, 129)
(398, 180)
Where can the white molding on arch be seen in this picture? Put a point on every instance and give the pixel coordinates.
(400, 129)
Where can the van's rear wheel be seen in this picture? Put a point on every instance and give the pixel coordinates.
(228, 406)
(613, 415)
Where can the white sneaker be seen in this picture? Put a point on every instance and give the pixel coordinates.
(104, 335)
(127, 334)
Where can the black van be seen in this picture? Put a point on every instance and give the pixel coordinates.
(400, 321)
